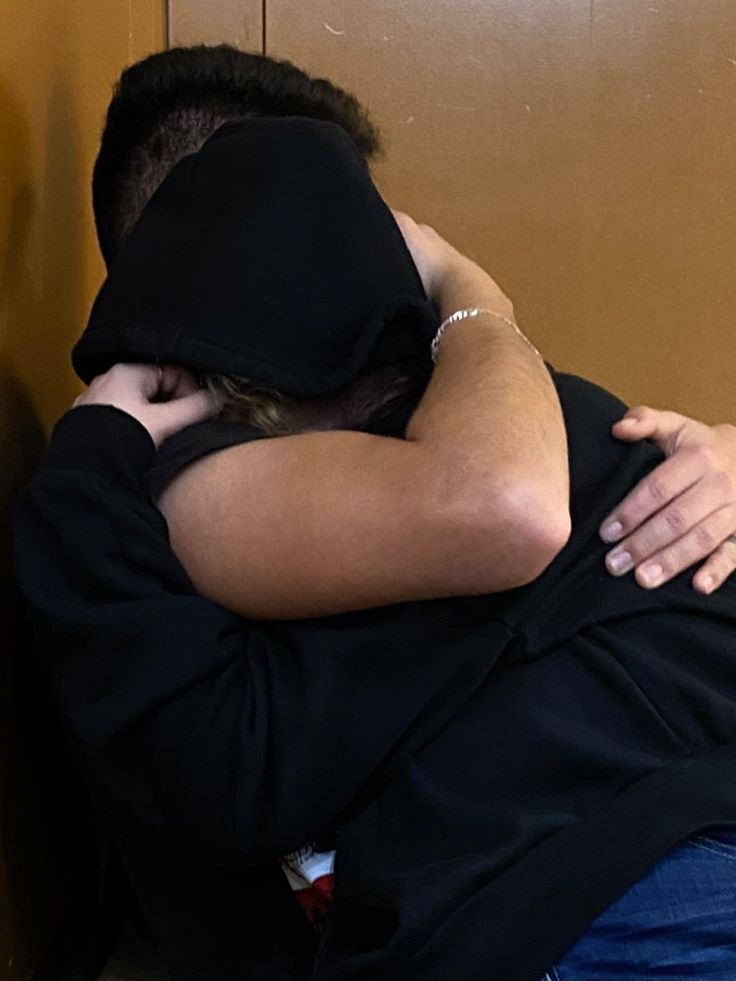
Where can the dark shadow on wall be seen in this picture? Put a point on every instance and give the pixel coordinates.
(26, 881)
(50, 848)
(26, 886)
(54, 918)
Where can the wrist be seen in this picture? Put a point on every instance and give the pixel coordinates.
(465, 285)
(101, 440)
(135, 408)
(491, 320)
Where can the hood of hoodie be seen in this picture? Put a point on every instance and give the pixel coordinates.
(269, 254)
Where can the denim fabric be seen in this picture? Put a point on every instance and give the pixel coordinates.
(678, 921)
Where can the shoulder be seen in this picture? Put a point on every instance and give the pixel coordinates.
(583, 400)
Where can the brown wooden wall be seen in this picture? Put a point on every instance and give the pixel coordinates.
(584, 151)
(59, 60)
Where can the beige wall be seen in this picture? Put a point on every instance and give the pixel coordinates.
(238, 22)
(58, 60)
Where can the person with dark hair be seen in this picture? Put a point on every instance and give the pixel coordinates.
(499, 768)
(169, 104)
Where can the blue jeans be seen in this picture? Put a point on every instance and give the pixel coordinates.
(678, 921)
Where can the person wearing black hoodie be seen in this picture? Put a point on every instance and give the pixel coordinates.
(499, 768)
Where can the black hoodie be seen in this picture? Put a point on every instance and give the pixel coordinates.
(499, 768)
(270, 255)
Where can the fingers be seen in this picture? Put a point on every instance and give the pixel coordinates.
(162, 399)
(720, 565)
(662, 427)
(637, 423)
(682, 512)
(176, 381)
(142, 378)
(186, 411)
(404, 221)
(122, 384)
(665, 483)
(414, 229)
(150, 380)
(655, 564)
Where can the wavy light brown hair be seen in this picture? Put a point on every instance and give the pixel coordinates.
(275, 414)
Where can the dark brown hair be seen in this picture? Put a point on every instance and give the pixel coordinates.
(166, 106)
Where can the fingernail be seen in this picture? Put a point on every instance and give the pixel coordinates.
(619, 562)
(651, 575)
(609, 533)
(706, 584)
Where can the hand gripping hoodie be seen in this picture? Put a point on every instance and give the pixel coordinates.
(498, 769)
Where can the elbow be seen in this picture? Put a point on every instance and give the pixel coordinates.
(502, 536)
(540, 524)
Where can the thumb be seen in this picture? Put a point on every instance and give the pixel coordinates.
(186, 411)
(177, 382)
(643, 422)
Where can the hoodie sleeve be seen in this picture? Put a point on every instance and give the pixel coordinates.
(180, 714)
(243, 740)
(165, 708)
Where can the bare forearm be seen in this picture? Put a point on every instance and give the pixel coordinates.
(492, 409)
(326, 522)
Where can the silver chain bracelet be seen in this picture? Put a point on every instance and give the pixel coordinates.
(476, 312)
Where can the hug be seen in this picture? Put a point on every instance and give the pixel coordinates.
(316, 566)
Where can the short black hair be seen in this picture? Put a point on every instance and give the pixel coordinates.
(167, 105)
